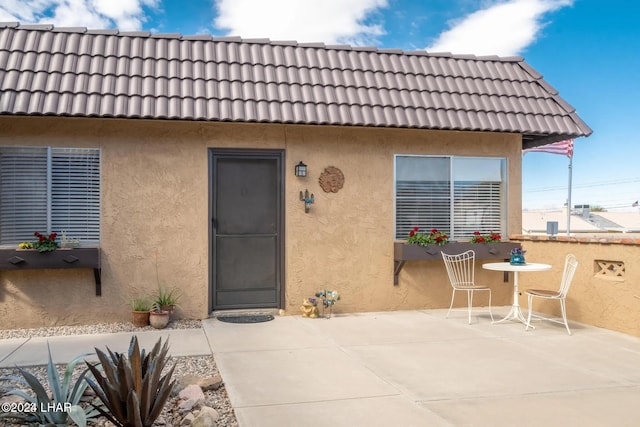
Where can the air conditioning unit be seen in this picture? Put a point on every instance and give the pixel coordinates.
(582, 210)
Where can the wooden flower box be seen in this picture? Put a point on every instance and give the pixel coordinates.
(403, 252)
(31, 259)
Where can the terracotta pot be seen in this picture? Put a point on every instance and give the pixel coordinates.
(159, 320)
(170, 308)
(140, 318)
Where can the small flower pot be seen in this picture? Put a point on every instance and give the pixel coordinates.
(140, 318)
(159, 319)
(516, 260)
(170, 308)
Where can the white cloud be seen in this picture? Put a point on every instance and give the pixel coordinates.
(504, 28)
(127, 14)
(329, 21)
(122, 14)
(22, 10)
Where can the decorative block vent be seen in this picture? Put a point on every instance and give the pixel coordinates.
(609, 270)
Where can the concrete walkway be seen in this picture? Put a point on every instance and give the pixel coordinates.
(403, 368)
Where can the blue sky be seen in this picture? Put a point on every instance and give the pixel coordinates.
(589, 50)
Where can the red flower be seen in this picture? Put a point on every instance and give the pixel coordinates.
(53, 236)
(434, 230)
(412, 233)
(481, 240)
(476, 233)
(36, 234)
(416, 228)
(41, 238)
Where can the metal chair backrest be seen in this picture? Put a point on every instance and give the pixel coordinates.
(570, 266)
(460, 268)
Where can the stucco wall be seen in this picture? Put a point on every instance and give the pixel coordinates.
(346, 241)
(155, 206)
(592, 299)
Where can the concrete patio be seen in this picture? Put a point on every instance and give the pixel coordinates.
(402, 368)
(416, 368)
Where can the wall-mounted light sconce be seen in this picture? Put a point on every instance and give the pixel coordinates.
(301, 170)
(307, 200)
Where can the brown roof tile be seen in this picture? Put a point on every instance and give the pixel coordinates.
(45, 70)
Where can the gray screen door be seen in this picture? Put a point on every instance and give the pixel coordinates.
(246, 229)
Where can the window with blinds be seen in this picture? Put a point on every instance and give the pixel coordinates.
(49, 189)
(456, 195)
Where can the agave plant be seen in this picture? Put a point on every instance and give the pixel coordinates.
(63, 401)
(132, 387)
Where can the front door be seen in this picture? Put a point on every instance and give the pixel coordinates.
(246, 228)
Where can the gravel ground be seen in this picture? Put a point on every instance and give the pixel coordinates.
(99, 328)
(203, 366)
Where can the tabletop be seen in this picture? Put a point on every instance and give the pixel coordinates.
(506, 266)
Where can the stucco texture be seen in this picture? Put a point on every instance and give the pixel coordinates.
(346, 242)
(155, 216)
(592, 298)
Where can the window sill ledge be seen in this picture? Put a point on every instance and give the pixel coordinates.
(67, 258)
(403, 252)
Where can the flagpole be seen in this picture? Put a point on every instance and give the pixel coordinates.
(569, 197)
(564, 148)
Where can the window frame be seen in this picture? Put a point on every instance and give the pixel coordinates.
(504, 208)
(90, 178)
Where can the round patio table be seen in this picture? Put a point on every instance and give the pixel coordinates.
(515, 313)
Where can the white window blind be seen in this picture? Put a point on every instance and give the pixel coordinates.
(49, 190)
(456, 195)
(23, 193)
(477, 207)
(75, 192)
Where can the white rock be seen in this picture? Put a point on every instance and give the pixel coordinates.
(188, 419)
(206, 418)
(210, 383)
(190, 392)
(187, 405)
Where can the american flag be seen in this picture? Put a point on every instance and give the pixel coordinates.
(561, 147)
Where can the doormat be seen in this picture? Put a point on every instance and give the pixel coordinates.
(253, 318)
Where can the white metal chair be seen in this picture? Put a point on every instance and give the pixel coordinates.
(570, 266)
(461, 270)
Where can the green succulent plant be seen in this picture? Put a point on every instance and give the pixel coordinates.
(140, 304)
(63, 401)
(132, 387)
(167, 298)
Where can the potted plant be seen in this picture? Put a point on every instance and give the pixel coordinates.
(158, 317)
(329, 298)
(428, 245)
(140, 311)
(434, 236)
(45, 243)
(167, 300)
(517, 256)
(486, 238)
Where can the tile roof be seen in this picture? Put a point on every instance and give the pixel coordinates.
(45, 70)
